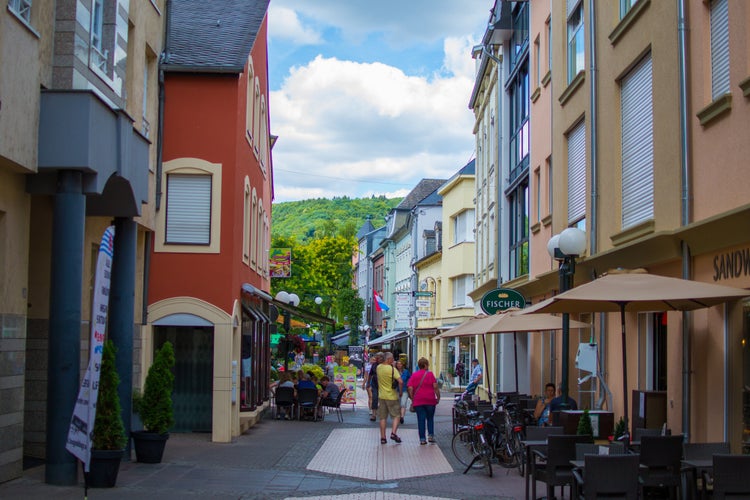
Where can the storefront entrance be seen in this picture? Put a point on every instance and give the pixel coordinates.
(193, 392)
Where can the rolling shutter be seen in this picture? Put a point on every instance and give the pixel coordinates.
(188, 209)
(719, 48)
(577, 173)
(637, 145)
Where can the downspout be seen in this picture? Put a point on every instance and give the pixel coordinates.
(593, 247)
(160, 129)
(685, 215)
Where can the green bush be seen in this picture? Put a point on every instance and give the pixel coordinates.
(619, 428)
(109, 431)
(584, 425)
(156, 404)
(315, 369)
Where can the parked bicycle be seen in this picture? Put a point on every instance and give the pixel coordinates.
(481, 440)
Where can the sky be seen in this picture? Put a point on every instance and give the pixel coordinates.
(370, 96)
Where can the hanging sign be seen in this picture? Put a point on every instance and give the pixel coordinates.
(501, 299)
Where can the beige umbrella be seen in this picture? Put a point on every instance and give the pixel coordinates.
(509, 321)
(637, 291)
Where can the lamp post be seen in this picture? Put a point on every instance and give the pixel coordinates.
(565, 248)
(293, 300)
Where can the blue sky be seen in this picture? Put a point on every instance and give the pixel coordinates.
(369, 97)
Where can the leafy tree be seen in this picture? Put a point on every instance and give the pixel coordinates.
(351, 305)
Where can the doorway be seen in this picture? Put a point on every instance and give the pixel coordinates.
(193, 389)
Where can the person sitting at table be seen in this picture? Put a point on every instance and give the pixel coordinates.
(541, 412)
(474, 378)
(304, 382)
(314, 380)
(330, 391)
(285, 380)
(557, 403)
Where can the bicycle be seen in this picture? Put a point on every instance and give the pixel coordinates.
(494, 437)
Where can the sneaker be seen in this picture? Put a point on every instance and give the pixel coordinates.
(431, 439)
(422, 441)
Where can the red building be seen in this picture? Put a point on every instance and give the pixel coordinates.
(209, 278)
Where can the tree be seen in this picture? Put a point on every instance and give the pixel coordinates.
(351, 305)
(584, 425)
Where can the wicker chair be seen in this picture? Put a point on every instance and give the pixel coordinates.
(731, 474)
(284, 398)
(608, 476)
(553, 466)
(698, 479)
(661, 457)
(307, 401)
(336, 405)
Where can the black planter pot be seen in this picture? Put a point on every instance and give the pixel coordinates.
(149, 446)
(103, 468)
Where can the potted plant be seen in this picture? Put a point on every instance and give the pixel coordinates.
(619, 429)
(155, 408)
(108, 439)
(584, 425)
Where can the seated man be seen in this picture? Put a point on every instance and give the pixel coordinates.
(557, 403)
(475, 377)
(330, 391)
(541, 412)
(305, 383)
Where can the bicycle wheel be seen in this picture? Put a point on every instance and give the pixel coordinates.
(485, 450)
(465, 449)
(507, 457)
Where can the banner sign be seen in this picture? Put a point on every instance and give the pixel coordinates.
(356, 357)
(84, 414)
(346, 377)
(280, 262)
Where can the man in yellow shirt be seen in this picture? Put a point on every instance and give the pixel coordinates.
(388, 397)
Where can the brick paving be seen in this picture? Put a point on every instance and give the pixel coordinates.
(285, 459)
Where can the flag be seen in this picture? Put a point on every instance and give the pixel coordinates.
(84, 414)
(380, 304)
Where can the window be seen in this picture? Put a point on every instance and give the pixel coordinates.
(463, 226)
(549, 45)
(188, 209)
(577, 173)
(519, 230)
(98, 53)
(256, 114)
(520, 37)
(719, 48)
(263, 145)
(254, 230)
(246, 218)
(537, 65)
(637, 145)
(625, 6)
(519, 123)
(575, 38)
(550, 187)
(462, 285)
(22, 8)
(250, 104)
(538, 193)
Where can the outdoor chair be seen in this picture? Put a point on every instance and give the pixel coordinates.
(698, 479)
(307, 402)
(284, 399)
(731, 473)
(336, 405)
(660, 457)
(553, 464)
(610, 476)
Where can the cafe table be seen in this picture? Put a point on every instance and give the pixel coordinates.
(692, 470)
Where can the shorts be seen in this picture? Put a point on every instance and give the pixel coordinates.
(390, 407)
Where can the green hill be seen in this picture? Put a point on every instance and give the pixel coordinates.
(328, 217)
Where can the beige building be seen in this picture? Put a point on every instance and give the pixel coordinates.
(74, 158)
(649, 158)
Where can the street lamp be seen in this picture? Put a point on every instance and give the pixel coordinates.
(293, 300)
(564, 248)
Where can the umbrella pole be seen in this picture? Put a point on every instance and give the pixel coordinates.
(515, 358)
(624, 371)
(486, 365)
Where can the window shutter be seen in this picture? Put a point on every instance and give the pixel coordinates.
(189, 209)
(577, 173)
(719, 48)
(637, 145)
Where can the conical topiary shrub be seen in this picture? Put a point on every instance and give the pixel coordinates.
(584, 425)
(619, 429)
(155, 408)
(156, 405)
(109, 431)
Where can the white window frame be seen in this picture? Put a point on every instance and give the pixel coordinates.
(463, 226)
(637, 139)
(250, 104)
(577, 172)
(254, 230)
(21, 8)
(575, 31)
(461, 286)
(246, 221)
(719, 14)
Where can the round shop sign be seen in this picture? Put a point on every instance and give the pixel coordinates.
(501, 299)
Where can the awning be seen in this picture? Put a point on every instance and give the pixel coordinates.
(391, 337)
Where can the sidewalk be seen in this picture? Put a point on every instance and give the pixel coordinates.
(289, 459)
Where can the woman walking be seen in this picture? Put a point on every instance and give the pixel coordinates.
(425, 395)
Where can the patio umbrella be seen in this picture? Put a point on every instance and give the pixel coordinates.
(509, 321)
(637, 291)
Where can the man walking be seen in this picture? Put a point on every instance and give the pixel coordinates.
(388, 400)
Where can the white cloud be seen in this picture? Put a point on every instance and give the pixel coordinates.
(286, 25)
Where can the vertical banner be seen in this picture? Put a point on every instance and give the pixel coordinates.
(356, 358)
(82, 423)
(280, 262)
(346, 377)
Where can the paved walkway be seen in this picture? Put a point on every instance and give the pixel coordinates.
(288, 459)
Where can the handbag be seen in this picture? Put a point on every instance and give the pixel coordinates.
(411, 405)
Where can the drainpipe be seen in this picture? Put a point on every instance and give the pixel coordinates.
(594, 223)
(160, 128)
(685, 212)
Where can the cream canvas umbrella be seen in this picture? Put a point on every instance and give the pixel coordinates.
(637, 291)
(509, 321)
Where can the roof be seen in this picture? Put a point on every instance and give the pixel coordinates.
(421, 191)
(212, 36)
(366, 228)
